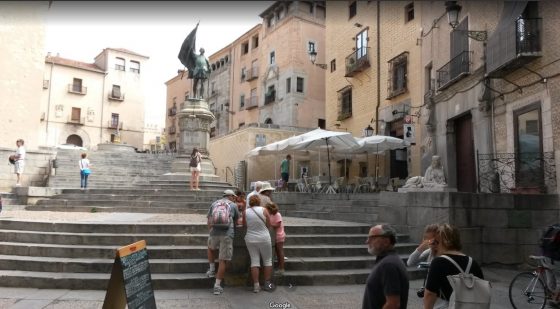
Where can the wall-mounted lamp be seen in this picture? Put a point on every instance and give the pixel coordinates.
(368, 131)
(453, 9)
(313, 57)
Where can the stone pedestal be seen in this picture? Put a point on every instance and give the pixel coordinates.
(194, 132)
(427, 189)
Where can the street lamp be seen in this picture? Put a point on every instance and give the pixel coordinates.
(368, 131)
(453, 9)
(313, 57)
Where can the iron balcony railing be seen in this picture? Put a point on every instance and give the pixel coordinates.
(532, 172)
(528, 36)
(172, 111)
(252, 103)
(270, 97)
(115, 124)
(454, 69)
(357, 61)
(76, 120)
(74, 88)
(251, 74)
(116, 96)
(172, 130)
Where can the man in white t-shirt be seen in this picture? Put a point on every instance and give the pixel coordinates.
(20, 161)
(258, 186)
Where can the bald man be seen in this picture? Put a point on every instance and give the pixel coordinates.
(387, 284)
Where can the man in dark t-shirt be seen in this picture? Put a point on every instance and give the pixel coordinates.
(387, 284)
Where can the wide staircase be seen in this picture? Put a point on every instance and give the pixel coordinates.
(79, 255)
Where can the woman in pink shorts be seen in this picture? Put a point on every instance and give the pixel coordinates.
(278, 225)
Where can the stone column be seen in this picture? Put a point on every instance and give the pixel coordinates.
(194, 131)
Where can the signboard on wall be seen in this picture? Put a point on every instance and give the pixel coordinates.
(409, 134)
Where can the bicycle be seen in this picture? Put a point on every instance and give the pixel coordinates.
(531, 289)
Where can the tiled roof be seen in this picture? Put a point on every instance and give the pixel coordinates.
(73, 63)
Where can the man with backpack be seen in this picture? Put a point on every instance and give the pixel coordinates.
(222, 216)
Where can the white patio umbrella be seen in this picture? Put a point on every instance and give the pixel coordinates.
(379, 143)
(329, 139)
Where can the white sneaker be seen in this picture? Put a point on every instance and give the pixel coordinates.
(210, 273)
(256, 289)
(218, 290)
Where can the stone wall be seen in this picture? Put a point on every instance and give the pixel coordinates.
(37, 169)
(495, 228)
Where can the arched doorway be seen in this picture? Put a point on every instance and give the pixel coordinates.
(268, 121)
(74, 140)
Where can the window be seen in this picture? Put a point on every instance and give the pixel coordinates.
(397, 75)
(174, 100)
(311, 8)
(186, 95)
(212, 88)
(333, 65)
(268, 121)
(299, 84)
(242, 101)
(409, 12)
(345, 103)
(114, 120)
(241, 124)
(288, 85)
(116, 92)
(76, 113)
(119, 64)
(243, 74)
(77, 85)
(352, 9)
(244, 48)
(134, 66)
(528, 146)
(361, 44)
(270, 95)
(272, 57)
(255, 41)
(321, 123)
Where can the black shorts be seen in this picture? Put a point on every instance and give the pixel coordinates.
(285, 177)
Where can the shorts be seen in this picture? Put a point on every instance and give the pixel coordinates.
(222, 243)
(285, 177)
(18, 167)
(196, 169)
(258, 250)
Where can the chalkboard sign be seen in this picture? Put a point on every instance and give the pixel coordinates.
(131, 281)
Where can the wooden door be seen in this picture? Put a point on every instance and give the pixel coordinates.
(466, 168)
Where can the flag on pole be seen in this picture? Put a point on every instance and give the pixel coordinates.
(186, 53)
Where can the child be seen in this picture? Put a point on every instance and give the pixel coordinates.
(276, 222)
(427, 250)
(241, 203)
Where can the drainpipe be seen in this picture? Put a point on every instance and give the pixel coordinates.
(49, 103)
(102, 104)
(378, 69)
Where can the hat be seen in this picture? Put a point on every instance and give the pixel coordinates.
(266, 187)
(229, 192)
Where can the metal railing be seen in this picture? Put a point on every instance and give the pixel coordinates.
(357, 61)
(79, 120)
(252, 103)
(454, 69)
(73, 88)
(114, 96)
(528, 35)
(270, 97)
(172, 111)
(253, 73)
(532, 172)
(172, 130)
(114, 124)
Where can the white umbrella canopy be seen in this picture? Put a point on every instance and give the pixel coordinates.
(380, 143)
(283, 146)
(328, 139)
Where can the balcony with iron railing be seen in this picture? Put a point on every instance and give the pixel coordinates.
(533, 172)
(172, 130)
(452, 71)
(270, 97)
(115, 124)
(77, 89)
(251, 103)
(172, 111)
(116, 96)
(357, 61)
(514, 46)
(252, 74)
(76, 120)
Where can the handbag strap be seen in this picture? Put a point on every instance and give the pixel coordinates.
(256, 213)
(468, 270)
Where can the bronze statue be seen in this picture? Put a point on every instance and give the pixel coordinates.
(197, 65)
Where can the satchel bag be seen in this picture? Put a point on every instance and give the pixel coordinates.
(86, 171)
(469, 291)
(271, 231)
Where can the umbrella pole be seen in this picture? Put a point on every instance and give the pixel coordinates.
(328, 160)
(376, 165)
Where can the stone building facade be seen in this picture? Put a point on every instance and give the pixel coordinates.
(373, 56)
(178, 90)
(90, 103)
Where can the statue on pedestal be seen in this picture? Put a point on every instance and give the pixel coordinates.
(433, 178)
(197, 65)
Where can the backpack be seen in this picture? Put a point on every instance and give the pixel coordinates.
(550, 242)
(469, 291)
(194, 161)
(221, 214)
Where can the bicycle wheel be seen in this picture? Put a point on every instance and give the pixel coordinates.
(526, 291)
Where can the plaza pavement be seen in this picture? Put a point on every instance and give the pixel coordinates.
(324, 297)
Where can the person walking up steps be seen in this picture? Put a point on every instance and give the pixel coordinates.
(195, 168)
(19, 158)
(85, 170)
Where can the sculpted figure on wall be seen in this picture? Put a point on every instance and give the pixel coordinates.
(433, 178)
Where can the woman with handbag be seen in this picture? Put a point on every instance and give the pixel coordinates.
(195, 167)
(258, 241)
(85, 170)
